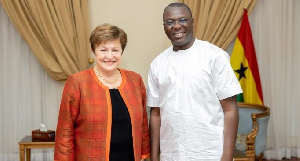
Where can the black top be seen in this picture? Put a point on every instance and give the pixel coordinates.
(121, 144)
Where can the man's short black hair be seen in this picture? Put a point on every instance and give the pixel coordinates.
(178, 5)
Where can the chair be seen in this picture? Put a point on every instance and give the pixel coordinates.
(252, 130)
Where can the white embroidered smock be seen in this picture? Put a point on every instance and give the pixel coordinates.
(187, 85)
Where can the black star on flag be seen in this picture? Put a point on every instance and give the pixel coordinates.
(241, 71)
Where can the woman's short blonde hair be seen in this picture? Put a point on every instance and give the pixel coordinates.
(107, 32)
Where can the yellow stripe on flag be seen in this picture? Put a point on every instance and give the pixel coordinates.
(247, 82)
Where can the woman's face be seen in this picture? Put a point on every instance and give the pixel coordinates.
(108, 55)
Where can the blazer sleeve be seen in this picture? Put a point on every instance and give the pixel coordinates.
(145, 133)
(68, 113)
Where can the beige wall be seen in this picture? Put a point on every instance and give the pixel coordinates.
(142, 21)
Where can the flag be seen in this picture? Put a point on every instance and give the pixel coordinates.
(244, 64)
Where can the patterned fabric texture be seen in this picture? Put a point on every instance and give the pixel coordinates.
(85, 117)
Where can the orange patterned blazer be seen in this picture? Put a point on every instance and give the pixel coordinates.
(85, 117)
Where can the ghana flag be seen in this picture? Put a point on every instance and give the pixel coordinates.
(244, 64)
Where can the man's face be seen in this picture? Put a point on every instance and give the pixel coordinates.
(178, 26)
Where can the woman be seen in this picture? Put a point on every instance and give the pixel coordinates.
(103, 109)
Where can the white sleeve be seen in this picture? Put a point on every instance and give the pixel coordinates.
(224, 80)
(152, 87)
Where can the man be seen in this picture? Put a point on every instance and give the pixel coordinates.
(192, 94)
